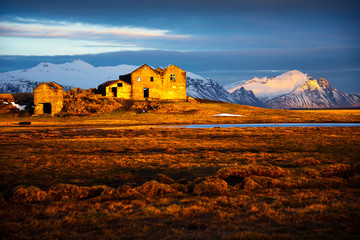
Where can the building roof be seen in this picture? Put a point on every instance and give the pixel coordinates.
(53, 85)
(126, 78)
(108, 83)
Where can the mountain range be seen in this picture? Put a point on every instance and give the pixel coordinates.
(292, 89)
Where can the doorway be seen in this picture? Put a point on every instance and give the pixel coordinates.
(146, 92)
(47, 108)
(114, 90)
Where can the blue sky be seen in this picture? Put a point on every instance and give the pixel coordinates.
(227, 40)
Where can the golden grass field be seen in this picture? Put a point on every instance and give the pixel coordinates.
(69, 178)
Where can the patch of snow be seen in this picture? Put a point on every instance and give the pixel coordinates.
(235, 85)
(227, 115)
(194, 76)
(20, 107)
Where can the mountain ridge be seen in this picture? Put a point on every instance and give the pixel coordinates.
(292, 89)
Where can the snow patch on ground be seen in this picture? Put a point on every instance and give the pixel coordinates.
(20, 107)
(227, 115)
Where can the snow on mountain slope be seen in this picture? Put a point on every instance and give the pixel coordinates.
(270, 88)
(315, 94)
(246, 97)
(17, 86)
(76, 74)
(199, 87)
(234, 85)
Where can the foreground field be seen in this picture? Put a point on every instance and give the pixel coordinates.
(251, 183)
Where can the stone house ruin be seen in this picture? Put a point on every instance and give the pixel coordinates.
(148, 83)
(48, 98)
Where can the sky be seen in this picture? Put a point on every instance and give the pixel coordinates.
(228, 40)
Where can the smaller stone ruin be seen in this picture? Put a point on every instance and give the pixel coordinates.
(48, 98)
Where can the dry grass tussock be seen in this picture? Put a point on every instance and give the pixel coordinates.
(249, 170)
(211, 186)
(340, 170)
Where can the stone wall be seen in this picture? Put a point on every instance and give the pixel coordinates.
(174, 87)
(141, 79)
(122, 91)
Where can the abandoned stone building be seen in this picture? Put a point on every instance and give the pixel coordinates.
(148, 83)
(48, 98)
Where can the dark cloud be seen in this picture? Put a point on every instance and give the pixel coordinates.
(184, 4)
(176, 11)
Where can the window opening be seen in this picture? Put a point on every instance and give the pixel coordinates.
(172, 77)
(151, 79)
(139, 79)
(119, 84)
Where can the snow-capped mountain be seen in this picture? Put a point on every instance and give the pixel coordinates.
(270, 88)
(295, 89)
(315, 94)
(76, 74)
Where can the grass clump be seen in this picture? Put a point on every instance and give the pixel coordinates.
(258, 182)
(154, 188)
(249, 170)
(339, 170)
(22, 194)
(211, 186)
(309, 161)
(60, 192)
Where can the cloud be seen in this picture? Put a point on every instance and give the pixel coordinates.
(55, 46)
(23, 27)
(30, 36)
